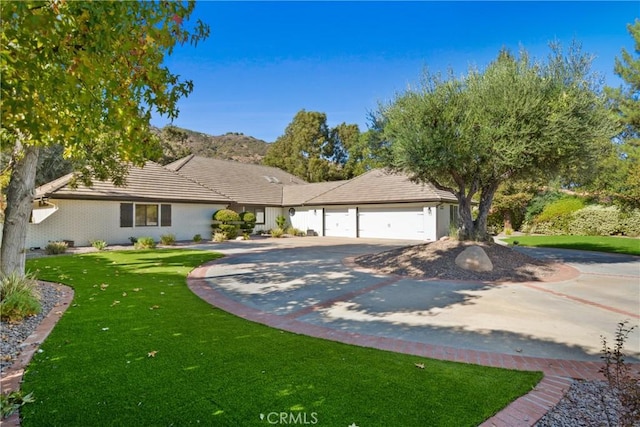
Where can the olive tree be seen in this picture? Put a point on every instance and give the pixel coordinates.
(516, 119)
(86, 75)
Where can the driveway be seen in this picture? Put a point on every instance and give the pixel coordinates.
(305, 280)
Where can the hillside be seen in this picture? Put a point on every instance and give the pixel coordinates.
(178, 142)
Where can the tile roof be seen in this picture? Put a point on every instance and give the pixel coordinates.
(380, 186)
(244, 183)
(204, 180)
(295, 195)
(152, 182)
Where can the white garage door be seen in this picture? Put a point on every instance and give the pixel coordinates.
(337, 224)
(392, 223)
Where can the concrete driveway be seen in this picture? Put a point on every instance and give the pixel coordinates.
(305, 280)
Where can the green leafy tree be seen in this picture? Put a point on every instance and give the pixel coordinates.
(620, 173)
(517, 119)
(86, 75)
(311, 150)
(369, 151)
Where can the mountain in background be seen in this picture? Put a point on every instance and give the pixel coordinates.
(178, 143)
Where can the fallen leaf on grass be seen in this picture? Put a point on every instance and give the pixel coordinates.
(152, 353)
(103, 286)
(419, 365)
(124, 294)
(137, 289)
(116, 302)
(153, 307)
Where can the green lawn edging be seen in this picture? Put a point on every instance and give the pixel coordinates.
(611, 244)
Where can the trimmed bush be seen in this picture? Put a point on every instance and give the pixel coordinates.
(226, 221)
(556, 216)
(281, 221)
(630, 223)
(145, 243)
(55, 248)
(168, 239)
(538, 203)
(248, 222)
(197, 238)
(596, 220)
(19, 297)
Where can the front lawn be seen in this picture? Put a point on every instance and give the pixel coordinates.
(621, 245)
(138, 348)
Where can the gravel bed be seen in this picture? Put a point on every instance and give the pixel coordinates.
(586, 404)
(13, 334)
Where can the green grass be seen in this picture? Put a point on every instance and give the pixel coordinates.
(213, 368)
(621, 245)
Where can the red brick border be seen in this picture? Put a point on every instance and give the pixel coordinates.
(12, 377)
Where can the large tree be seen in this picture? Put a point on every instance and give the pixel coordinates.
(517, 119)
(621, 172)
(86, 75)
(310, 149)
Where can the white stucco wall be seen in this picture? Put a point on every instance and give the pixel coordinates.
(85, 220)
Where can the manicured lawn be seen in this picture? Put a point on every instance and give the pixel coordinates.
(138, 348)
(621, 245)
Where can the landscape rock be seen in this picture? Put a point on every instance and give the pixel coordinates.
(474, 258)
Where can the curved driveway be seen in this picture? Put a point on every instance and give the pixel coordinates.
(306, 281)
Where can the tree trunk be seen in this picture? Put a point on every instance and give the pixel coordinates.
(507, 220)
(18, 210)
(471, 229)
(466, 226)
(480, 224)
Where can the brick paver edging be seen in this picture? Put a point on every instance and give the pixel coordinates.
(12, 377)
(524, 411)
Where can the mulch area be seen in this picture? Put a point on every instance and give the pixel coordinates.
(437, 260)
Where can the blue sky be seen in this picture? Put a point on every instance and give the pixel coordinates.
(265, 61)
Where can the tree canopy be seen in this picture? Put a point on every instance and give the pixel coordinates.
(516, 119)
(621, 170)
(311, 150)
(87, 76)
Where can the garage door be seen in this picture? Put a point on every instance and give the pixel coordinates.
(391, 223)
(337, 224)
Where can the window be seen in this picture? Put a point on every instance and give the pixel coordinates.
(453, 215)
(165, 215)
(146, 215)
(126, 214)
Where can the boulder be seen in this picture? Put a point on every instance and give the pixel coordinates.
(474, 258)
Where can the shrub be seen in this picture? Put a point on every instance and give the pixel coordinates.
(219, 236)
(19, 297)
(197, 238)
(55, 248)
(99, 244)
(281, 221)
(226, 221)
(133, 240)
(596, 221)
(630, 222)
(556, 216)
(168, 239)
(11, 402)
(277, 232)
(292, 231)
(620, 377)
(248, 222)
(539, 202)
(145, 243)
